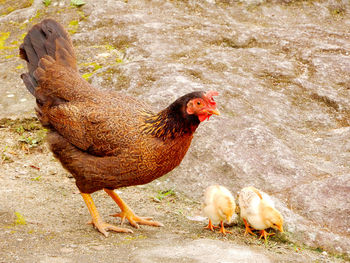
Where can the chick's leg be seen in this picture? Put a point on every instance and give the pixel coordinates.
(96, 219)
(210, 226)
(247, 228)
(223, 230)
(265, 234)
(127, 213)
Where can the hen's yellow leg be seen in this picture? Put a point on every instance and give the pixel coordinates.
(96, 219)
(127, 213)
(210, 226)
(247, 228)
(223, 230)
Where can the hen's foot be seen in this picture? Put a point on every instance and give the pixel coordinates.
(96, 219)
(135, 220)
(104, 227)
(210, 226)
(127, 213)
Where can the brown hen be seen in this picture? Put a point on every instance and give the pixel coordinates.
(106, 140)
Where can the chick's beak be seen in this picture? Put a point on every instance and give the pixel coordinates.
(280, 228)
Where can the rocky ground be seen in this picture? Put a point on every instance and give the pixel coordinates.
(282, 70)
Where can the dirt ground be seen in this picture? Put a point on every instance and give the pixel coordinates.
(43, 217)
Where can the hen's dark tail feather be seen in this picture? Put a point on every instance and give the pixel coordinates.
(47, 38)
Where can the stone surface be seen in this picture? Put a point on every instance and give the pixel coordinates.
(283, 73)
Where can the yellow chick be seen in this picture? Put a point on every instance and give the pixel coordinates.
(258, 209)
(219, 206)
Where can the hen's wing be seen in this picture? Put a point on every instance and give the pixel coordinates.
(102, 128)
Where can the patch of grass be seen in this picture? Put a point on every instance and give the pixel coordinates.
(19, 219)
(31, 133)
(77, 3)
(163, 194)
(5, 158)
(20, 130)
(46, 2)
(31, 141)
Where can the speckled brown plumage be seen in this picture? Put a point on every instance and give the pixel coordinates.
(105, 139)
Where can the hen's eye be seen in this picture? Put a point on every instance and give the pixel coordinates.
(198, 103)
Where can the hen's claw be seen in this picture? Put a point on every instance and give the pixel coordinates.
(136, 220)
(127, 213)
(104, 227)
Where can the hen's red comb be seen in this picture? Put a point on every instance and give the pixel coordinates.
(210, 95)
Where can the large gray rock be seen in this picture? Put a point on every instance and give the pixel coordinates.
(283, 72)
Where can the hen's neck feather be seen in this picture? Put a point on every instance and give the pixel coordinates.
(171, 122)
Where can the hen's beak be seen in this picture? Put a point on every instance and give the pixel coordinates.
(214, 111)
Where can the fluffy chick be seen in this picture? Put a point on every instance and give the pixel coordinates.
(258, 210)
(219, 206)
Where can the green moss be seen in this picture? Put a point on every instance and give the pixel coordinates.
(3, 37)
(82, 15)
(19, 219)
(37, 15)
(87, 64)
(73, 26)
(21, 37)
(95, 66)
(87, 75)
(10, 5)
(105, 47)
(20, 66)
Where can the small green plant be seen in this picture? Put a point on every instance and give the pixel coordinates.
(47, 2)
(162, 194)
(19, 219)
(4, 156)
(32, 142)
(77, 3)
(20, 130)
